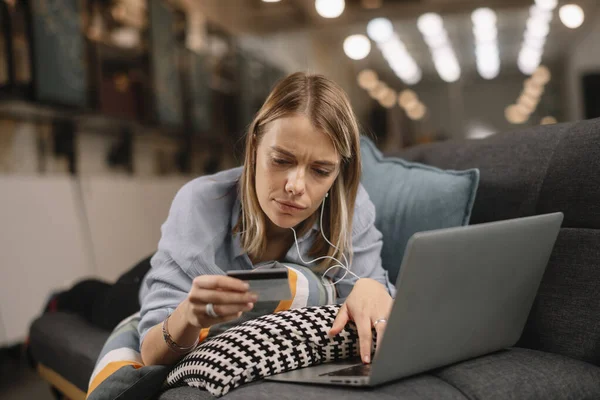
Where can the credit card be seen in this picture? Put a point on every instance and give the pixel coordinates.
(269, 284)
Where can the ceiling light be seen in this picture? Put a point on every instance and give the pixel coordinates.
(271, 1)
(406, 98)
(549, 120)
(378, 90)
(483, 17)
(367, 79)
(388, 99)
(357, 47)
(417, 112)
(514, 114)
(546, 4)
(380, 30)
(430, 24)
(330, 8)
(541, 75)
(571, 15)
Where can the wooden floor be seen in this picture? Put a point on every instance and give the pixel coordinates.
(18, 381)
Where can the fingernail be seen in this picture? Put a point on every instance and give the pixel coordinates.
(254, 298)
(250, 306)
(246, 285)
(367, 359)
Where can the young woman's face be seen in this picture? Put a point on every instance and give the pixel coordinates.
(295, 167)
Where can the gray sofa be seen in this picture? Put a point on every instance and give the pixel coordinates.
(527, 172)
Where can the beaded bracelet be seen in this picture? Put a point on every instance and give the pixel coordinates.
(173, 346)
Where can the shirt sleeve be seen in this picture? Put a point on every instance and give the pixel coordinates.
(185, 236)
(366, 244)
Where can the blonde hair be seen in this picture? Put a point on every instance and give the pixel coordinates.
(328, 108)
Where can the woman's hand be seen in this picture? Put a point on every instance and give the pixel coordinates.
(368, 302)
(229, 297)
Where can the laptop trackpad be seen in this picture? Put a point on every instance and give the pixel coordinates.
(355, 370)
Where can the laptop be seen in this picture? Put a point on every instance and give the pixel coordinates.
(461, 293)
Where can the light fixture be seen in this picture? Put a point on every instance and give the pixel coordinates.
(416, 112)
(406, 98)
(271, 1)
(330, 8)
(541, 75)
(549, 120)
(367, 79)
(546, 4)
(431, 24)
(357, 47)
(378, 91)
(432, 28)
(534, 38)
(380, 30)
(486, 43)
(388, 99)
(514, 114)
(571, 15)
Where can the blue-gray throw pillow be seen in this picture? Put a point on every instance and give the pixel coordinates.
(411, 197)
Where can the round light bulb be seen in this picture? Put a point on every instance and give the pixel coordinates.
(388, 99)
(357, 47)
(571, 15)
(546, 4)
(430, 24)
(416, 112)
(484, 17)
(406, 98)
(380, 30)
(330, 8)
(367, 79)
(541, 75)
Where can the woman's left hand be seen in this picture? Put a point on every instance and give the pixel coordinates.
(368, 302)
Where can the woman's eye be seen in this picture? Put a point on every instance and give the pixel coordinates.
(322, 172)
(279, 161)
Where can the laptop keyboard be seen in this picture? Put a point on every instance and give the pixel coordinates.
(355, 370)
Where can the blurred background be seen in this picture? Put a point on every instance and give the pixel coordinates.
(159, 88)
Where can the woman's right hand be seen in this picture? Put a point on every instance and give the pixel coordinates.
(229, 297)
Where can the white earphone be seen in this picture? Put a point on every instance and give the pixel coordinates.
(339, 263)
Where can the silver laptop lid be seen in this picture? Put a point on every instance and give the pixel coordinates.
(464, 292)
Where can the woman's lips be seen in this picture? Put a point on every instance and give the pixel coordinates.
(289, 206)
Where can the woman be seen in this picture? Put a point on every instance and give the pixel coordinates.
(302, 153)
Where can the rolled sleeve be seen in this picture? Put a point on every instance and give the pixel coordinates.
(366, 244)
(164, 288)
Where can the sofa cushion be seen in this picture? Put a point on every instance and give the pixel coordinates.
(531, 171)
(67, 344)
(524, 374)
(565, 317)
(512, 167)
(572, 184)
(416, 388)
(411, 197)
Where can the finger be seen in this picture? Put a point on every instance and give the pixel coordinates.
(221, 297)
(363, 325)
(231, 310)
(340, 321)
(220, 282)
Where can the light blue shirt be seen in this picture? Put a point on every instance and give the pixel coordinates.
(197, 240)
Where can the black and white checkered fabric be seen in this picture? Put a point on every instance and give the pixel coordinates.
(265, 346)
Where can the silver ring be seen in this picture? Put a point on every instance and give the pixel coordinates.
(210, 311)
(378, 321)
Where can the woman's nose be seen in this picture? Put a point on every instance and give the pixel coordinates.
(296, 182)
